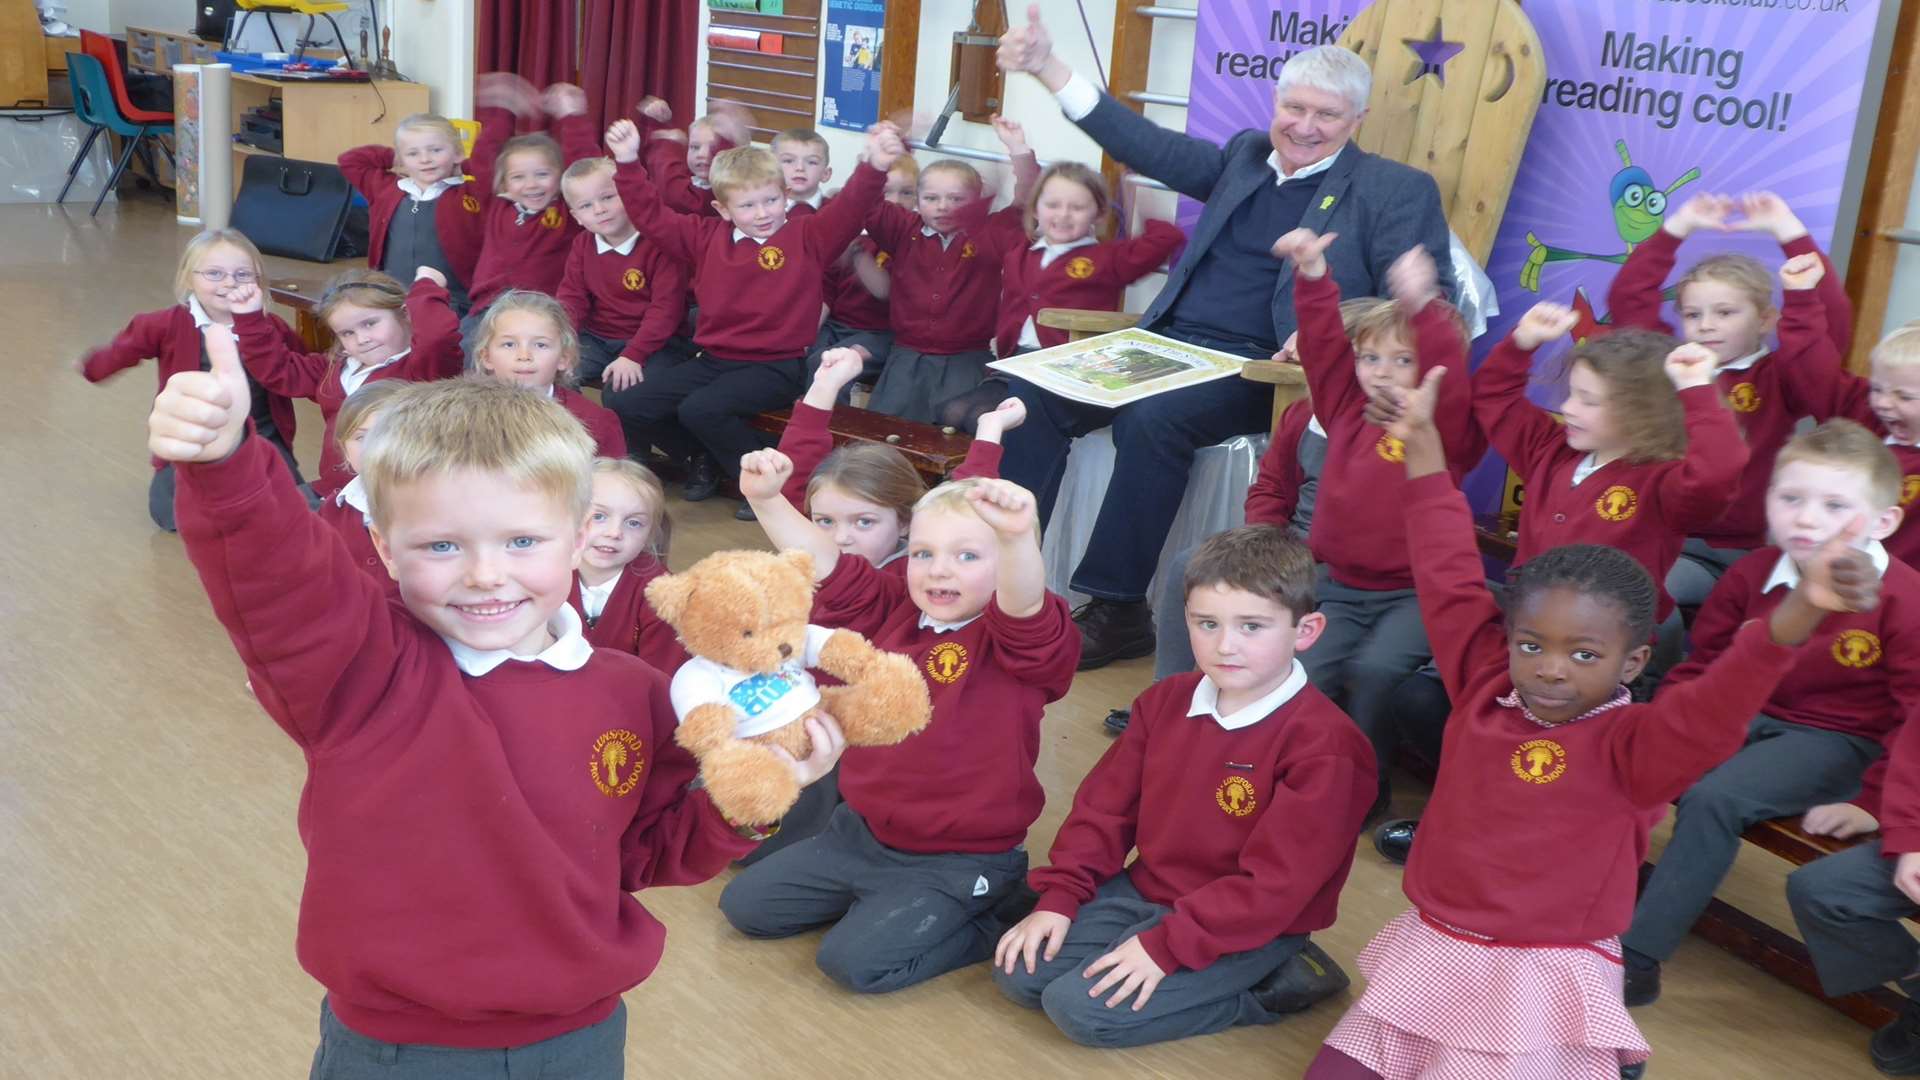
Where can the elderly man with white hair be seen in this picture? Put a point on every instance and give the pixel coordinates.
(1227, 293)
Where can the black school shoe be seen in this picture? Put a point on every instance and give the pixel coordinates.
(703, 478)
(1896, 1047)
(1308, 977)
(1643, 979)
(745, 513)
(1634, 1071)
(1113, 630)
(1116, 721)
(1394, 839)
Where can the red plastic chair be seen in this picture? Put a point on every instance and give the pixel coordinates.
(100, 47)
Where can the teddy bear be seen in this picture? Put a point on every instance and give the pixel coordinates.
(742, 615)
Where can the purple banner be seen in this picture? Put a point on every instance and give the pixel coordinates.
(1647, 103)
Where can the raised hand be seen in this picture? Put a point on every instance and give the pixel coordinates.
(1412, 410)
(732, 121)
(1012, 135)
(1763, 211)
(1289, 350)
(1006, 507)
(202, 415)
(563, 99)
(1802, 272)
(244, 299)
(654, 109)
(1413, 280)
(1691, 365)
(1307, 249)
(1840, 576)
(1545, 321)
(763, 473)
(428, 273)
(1005, 416)
(838, 367)
(505, 90)
(1026, 47)
(623, 141)
(1703, 211)
(884, 146)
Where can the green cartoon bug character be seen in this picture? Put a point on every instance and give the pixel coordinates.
(1638, 209)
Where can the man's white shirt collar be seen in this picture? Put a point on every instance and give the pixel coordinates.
(625, 247)
(739, 236)
(354, 374)
(928, 622)
(431, 191)
(1786, 572)
(1206, 700)
(569, 651)
(1744, 362)
(1304, 171)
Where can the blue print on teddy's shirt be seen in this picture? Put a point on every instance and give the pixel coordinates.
(758, 693)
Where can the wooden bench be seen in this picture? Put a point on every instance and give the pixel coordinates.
(934, 451)
(302, 297)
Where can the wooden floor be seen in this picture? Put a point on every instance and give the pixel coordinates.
(149, 869)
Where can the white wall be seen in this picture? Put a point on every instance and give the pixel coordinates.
(433, 44)
(1903, 297)
(96, 15)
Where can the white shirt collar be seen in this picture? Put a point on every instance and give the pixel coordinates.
(354, 374)
(944, 238)
(703, 185)
(593, 598)
(1313, 425)
(739, 236)
(928, 622)
(354, 495)
(625, 247)
(569, 651)
(1304, 171)
(1206, 700)
(1786, 572)
(431, 191)
(1050, 252)
(1891, 441)
(1587, 467)
(201, 320)
(1744, 362)
(814, 200)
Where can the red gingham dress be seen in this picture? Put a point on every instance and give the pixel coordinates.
(1444, 1003)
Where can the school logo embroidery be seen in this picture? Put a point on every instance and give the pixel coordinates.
(1539, 761)
(882, 258)
(1617, 503)
(966, 249)
(1744, 397)
(1236, 796)
(618, 759)
(1080, 268)
(1856, 648)
(771, 258)
(1909, 489)
(633, 280)
(470, 204)
(1390, 449)
(551, 219)
(947, 662)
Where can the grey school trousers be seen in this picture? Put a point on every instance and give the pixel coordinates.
(1850, 915)
(1185, 1003)
(1374, 639)
(595, 1052)
(1783, 769)
(898, 917)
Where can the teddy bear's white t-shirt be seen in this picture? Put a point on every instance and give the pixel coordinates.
(762, 701)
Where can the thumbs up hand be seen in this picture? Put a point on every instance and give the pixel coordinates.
(202, 415)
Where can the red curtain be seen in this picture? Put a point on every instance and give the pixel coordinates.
(632, 49)
(530, 38)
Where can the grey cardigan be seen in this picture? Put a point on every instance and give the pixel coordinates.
(1380, 208)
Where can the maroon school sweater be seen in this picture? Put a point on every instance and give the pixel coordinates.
(1535, 834)
(638, 298)
(1093, 277)
(1638, 289)
(1246, 835)
(529, 253)
(169, 337)
(758, 301)
(434, 353)
(848, 301)
(472, 843)
(944, 297)
(1358, 529)
(965, 782)
(1646, 510)
(1275, 492)
(1860, 674)
(666, 163)
(609, 438)
(629, 624)
(457, 214)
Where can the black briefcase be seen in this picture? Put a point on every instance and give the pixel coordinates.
(294, 208)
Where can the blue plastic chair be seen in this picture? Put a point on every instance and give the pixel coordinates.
(93, 104)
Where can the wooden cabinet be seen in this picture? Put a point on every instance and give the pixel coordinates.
(322, 120)
(156, 51)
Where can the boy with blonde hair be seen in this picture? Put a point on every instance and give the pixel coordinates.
(626, 297)
(757, 279)
(483, 788)
(1848, 689)
(1888, 402)
(935, 825)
